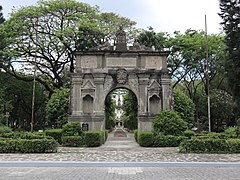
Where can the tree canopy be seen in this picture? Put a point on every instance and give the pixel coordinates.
(46, 35)
(230, 14)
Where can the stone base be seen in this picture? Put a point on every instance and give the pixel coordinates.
(95, 123)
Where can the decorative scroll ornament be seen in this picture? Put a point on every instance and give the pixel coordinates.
(122, 76)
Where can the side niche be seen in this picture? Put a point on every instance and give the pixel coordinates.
(88, 104)
(154, 104)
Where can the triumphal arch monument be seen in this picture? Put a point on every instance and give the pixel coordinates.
(103, 69)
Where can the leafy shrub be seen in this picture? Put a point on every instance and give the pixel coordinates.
(189, 133)
(204, 146)
(145, 138)
(72, 129)
(24, 135)
(5, 129)
(231, 132)
(167, 140)
(136, 135)
(55, 133)
(233, 145)
(169, 122)
(93, 138)
(73, 141)
(28, 145)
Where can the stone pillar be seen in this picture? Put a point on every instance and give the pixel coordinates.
(98, 106)
(143, 121)
(76, 99)
(166, 89)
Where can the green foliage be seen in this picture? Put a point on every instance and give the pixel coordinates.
(72, 129)
(93, 138)
(189, 133)
(24, 135)
(57, 108)
(184, 106)
(231, 132)
(5, 129)
(73, 141)
(169, 122)
(55, 133)
(210, 145)
(110, 106)
(28, 145)
(136, 135)
(16, 100)
(145, 138)
(54, 30)
(106, 135)
(149, 38)
(130, 109)
(230, 15)
(167, 140)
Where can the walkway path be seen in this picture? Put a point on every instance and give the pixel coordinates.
(121, 149)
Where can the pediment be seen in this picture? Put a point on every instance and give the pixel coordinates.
(88, 85)
(154, 85)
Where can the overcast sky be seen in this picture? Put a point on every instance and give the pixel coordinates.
(162, 15)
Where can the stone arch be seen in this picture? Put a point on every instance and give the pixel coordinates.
(100, 70)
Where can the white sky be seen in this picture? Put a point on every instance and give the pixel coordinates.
(162, 15)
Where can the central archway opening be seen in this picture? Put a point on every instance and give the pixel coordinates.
(121, 110)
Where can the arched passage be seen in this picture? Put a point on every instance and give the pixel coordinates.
(121, 109)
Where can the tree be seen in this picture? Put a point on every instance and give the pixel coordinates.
(184, 106)
(130, 108)
(149, 38)
(17, 101)
(46, 35)
(1, 16)
(230, 14)
(110, 106)
(1, 35)
(57, 108)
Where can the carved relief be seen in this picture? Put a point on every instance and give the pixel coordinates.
(122, 76)
(107, 84)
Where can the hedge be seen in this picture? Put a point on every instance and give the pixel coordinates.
(167, 140)
(72, 129)
(28, 145)
(136, 135)
(24, 135)
(73, 141)
(145, 138)
(5, 129)
(210, 145)
(55, 133)
(93, 138)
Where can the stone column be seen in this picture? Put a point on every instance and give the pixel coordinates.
(143, 121)
(166, 89)
(76, 99)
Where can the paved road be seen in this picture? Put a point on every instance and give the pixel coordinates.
(119, 158)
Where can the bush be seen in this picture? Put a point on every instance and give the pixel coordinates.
(231, 132)
(28, 145)
(136, 135)
(24, 135)
(167, 140)
(93, 138)
(73, 141)
(72, 129)
(5, 129)
(233, 145)
(169, 122)
(204, 146)
(189, 133)
(145, 138)
(55, 133)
